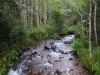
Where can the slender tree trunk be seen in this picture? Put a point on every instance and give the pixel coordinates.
(31, 18)
(81, 17)
(95, 31)
(40, 7)
(37, 14)
(82, 23)
(28, 14)
(50, 14)
(90, 12)
(45, 13)
(24, 14)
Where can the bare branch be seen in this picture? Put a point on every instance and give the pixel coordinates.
(84, 11)
(94, 2)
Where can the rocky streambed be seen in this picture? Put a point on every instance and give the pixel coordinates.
(51, 57)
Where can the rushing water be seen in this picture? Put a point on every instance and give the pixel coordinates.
(52, 57)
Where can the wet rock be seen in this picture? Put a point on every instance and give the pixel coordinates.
(27, 53)
(61, 57)
(14, 67)
(29, 71)
(76, 64)
(65, 42)
(48, 65)
(58, 38)
(53, 47)
(34, 73)
(48, 55)
(73, 54)
(41, 72)
(52, 73)
(68, 42)
(25, 69)
(50, 59)
(51, 43)
(59, 72)
(70, 59)
(59, 60)
(63, 52)
(71, 69)
(34, 53)
(46, 47)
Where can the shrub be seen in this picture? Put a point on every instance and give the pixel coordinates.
(81, 47)
(7, 60)
(39, 33)
(80, 43)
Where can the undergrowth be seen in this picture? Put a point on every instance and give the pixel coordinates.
(6, 60)
(81, 47)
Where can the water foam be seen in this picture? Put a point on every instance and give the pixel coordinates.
(12, 72)
(55, 54)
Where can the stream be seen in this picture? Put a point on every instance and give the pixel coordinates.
(50, 57)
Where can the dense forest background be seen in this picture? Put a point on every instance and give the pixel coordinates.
(25, 21)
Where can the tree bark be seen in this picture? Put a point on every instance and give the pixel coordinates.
(81, 17)
(37, 14)
(31, 18)
(90, 13)
(40, 8)
(82, 23)
(45, 13)
(23, 14)
(95, 31)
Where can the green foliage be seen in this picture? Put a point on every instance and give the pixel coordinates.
(43, 31)
(59, 21)
(80, 43)
(85, 58)
(51, 29)
(91, 64)
(79, 29)
(3, 46)
(57, 6)
(71, 29)
(6, 60)
(19, 37)
(39, 33)
(13, 37)
(81, 47)
(95, 58)
(64, 29)
(55, 35)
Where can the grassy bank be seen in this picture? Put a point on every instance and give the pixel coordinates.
(81, 47)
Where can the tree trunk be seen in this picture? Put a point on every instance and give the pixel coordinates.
(24, 14)
(37, 14)
(90, 12)
(95, 31)
(82, 24)
(81, 17)
(40, 7)
(45, 13)
(31, 17)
